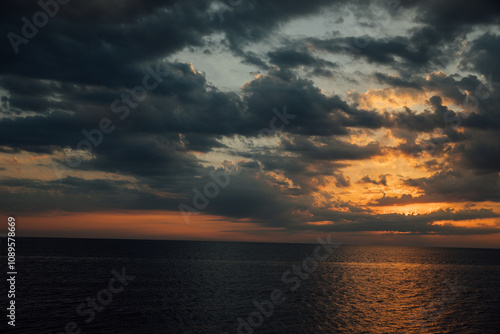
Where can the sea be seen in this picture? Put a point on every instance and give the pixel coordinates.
(78, 286)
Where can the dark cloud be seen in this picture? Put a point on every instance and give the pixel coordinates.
(451, 17)
(416, 224)
(331, 149)
(415, 51)
(317, 114)
(482, 55)
(69, 76)
(290, 58)
(433, 43)
(382, 179)
(341, 180)
(458, 186)
(77, 195)
(396, 81)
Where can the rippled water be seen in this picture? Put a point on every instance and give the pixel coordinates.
(213, 287)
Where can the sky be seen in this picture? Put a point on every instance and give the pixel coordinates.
(279, 121)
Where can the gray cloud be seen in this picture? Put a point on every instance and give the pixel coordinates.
(65, 79)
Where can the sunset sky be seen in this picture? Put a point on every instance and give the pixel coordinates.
(375, 121)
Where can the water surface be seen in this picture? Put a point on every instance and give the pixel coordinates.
(213, 287)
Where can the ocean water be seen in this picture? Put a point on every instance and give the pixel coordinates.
(224, 287)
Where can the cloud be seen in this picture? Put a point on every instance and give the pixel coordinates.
(457, 185)
(382, 180)
(416, 224)
(330, 149)
(349, 103)
(291, 58)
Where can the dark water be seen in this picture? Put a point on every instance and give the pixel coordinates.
(206, 287)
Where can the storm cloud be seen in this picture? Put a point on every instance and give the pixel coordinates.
(330, 126)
